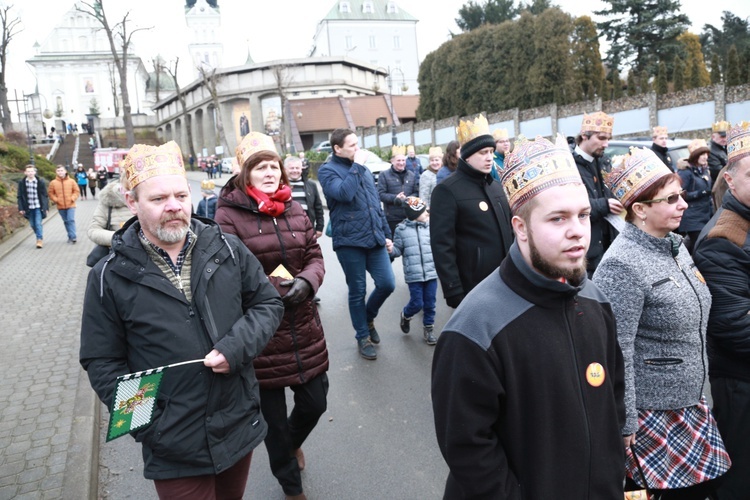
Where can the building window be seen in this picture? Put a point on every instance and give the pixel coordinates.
(367, 7)
(391, 8)
(314, 92)
(345, 7)
(396, 42)
(373, 44)
(295, 93)
(348, 40)
(331, 91)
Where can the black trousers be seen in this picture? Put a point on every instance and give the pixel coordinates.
(732, 413)
(286, 434)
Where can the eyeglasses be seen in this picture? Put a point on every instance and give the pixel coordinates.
(671, 199)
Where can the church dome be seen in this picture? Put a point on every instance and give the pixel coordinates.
(166, 82)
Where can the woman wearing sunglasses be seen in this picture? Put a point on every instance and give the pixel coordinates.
(661, 305)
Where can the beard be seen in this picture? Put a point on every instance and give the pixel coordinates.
(573, 275)
(170, 234)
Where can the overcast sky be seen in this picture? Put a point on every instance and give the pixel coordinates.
(272, 29)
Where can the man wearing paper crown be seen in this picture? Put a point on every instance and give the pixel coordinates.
(395, 185)
(174, 289)
(527, 399)
(470, 219)
(722, 254)
(596, 132)
(659, 136)
(717, 154)
(413, 164)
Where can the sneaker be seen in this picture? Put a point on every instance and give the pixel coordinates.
(374, 337)
(405, 323)
(39, 243)
(429, 338)
(300, 458)
(366, 349)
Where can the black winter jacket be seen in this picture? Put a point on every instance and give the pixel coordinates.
(41, 189)
(723, 258)
(518, 413)
(390, 184)
(697, 186)
(663, 153)
(135, 319)
(602, 233)
(470, 230)
(717, 159)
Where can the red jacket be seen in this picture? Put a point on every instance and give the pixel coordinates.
(297, 352)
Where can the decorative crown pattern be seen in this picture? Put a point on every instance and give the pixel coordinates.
(633, 173)
(468, 130)
(660, 131)
(535, 166)
(252, 143)
(143, 162)
(598, 122)
(738, 141)
(722, 126)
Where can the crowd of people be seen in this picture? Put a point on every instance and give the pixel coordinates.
(593, 296)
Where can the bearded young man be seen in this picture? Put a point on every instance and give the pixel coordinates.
(528, 400)
(177, 289)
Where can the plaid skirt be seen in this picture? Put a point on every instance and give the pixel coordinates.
(677, 448)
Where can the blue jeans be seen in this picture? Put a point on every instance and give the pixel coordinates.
(69, 219)
(35, 221)
(422, 296)
(356, 262)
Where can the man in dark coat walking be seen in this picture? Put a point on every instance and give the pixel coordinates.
(659, 146)
(596, 132)
(717, 149)
(395, 185)
(33, 202)
(470, 229)
(175, 289)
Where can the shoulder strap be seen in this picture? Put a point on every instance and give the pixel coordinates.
(109, 217)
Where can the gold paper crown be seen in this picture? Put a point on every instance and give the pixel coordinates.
(633, 173)
(436, 151)
(659, 131)
(208, 184)
(738, 142)
(697, 144)
(143, 162)
(721, 126)
(598, 122)
(410, 149)
(254, 142)
(500, 133)
(397, 150)
(468, 130)
(535, 166)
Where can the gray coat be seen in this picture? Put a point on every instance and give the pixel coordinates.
(661, 305)
(412, 240)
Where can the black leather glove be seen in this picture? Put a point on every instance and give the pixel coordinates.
(454, 300)
(298, 292)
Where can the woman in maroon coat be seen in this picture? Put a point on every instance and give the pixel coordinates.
(256, 205)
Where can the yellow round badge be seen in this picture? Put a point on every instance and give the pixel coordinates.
(483, 206)
(595, 374)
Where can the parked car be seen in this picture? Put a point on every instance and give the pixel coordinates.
(324, 147)
(424, 160)
(677, 148)
(374, 164)
(226, 165)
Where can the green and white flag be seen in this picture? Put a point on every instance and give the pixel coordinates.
(135, 400)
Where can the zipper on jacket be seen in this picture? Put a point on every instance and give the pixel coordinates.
(421, 258)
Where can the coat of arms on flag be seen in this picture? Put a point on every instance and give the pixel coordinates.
(135, 400)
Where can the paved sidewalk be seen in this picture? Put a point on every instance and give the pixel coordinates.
(48, 412)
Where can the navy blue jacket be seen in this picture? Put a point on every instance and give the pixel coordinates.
(390, 184)
(357, 220)
(697, 186)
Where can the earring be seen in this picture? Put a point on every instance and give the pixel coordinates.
(643, 221)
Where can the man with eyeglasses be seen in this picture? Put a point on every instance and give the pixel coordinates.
(596, 132)
(723, 257)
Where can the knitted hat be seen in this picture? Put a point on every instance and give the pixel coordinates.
(252, 143)
(414, 207)
(474, 136)
(535, 166)
(143, 162)
(633, 173)
(738, 142)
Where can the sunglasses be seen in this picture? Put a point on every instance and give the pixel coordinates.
(671, 199)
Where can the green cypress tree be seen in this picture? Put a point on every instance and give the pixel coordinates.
(696, 72)
(679, 74)
(632, 86)
(587, 62)
(644, 84)
(616, 84)
(733, 67)
(715, 69)
(662, 84)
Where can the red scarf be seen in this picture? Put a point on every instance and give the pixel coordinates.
(271, 205)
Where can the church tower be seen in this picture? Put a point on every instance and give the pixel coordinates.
(203, 20)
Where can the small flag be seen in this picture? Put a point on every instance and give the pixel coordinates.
(135, 399)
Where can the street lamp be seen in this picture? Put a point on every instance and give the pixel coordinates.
(404, 88)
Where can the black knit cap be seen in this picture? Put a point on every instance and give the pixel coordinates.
(414, 207)
(476, 144)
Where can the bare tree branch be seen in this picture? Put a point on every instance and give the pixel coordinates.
(10, 27)
(183, 103)
(211, 82)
